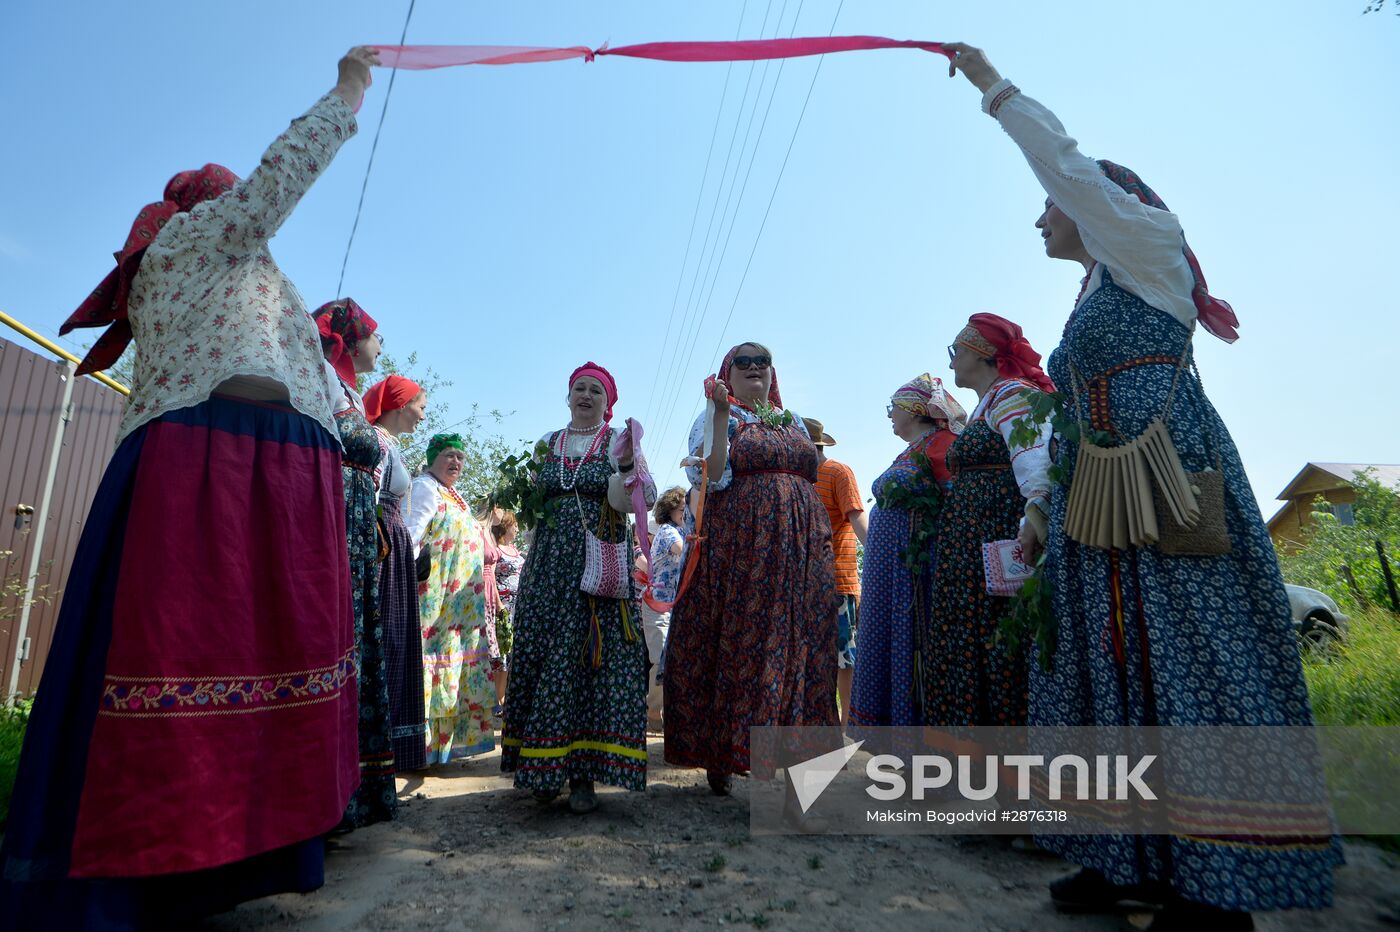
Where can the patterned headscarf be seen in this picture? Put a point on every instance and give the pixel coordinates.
(593, 370)
(925, 396)
(107, 305)
(342, 324)
(1002, 341)
(442, 442)
(775, 397)
(1215, 315)
(389, 395)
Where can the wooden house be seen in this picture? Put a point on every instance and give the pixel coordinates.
(1331, 481)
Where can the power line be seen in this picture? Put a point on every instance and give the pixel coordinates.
(706, 295)
(773, 196)
(671, 383)
(694, 218)
(373, 147)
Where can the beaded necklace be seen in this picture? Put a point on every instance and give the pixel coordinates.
(570, 473)
(456, 496)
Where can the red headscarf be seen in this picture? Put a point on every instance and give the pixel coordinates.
(1216, 315)
(1014, 356)
(775, 398)
(389, 395)
(107, 303)
(342, 324)
(593, 370)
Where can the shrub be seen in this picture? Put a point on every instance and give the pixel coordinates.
(12, 722)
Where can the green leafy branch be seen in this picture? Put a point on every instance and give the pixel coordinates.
(1032, 619)
(772, 416)
(1051, 407)
(922, 501)
(520, 490)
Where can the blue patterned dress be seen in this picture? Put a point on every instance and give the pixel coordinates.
(886, 689)
(1147, 638)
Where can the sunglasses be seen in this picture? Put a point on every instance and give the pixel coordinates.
(753, 362)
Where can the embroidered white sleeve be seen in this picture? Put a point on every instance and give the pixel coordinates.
(1030, 463)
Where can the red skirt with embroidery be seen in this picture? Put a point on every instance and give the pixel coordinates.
(226, 721)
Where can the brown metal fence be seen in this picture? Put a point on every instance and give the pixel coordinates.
(33, 388)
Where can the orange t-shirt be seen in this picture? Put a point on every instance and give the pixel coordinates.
(836, 486)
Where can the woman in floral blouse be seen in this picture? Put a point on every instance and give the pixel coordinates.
(194, 735)
(457, 689)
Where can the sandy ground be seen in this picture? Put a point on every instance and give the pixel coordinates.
(471, 852)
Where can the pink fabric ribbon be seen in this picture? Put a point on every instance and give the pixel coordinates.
(421, 57)
(638, 481)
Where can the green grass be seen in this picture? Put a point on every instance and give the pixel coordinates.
(12, 722)
(1358, 682)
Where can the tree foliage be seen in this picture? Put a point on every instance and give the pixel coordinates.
(1330, 548)
(480, 430)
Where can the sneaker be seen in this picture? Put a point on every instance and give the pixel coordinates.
(1091, 892)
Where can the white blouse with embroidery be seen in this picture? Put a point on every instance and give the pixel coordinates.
(209, 304)
(1001, 408)
(1140, 245)
(391, 475)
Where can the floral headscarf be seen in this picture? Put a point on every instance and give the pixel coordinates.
(1215, 315)
(108, 302)
(775, 397)
(925, 396)
(342, 324)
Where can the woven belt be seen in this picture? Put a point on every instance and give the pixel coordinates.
(980, 467)
(360, 466)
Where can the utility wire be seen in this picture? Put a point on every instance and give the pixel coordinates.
(776, 184)
(373, 147)
(694, 219)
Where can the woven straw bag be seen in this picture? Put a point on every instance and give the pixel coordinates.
(1138, 494)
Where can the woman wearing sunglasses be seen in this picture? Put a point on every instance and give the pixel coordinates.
(753, 633)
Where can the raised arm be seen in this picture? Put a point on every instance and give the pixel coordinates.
(1117, 229)
(252, 212)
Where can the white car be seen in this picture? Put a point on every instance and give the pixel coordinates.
(1317, 620)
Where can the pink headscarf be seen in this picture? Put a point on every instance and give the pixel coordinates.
(593, 370)
(774, 397)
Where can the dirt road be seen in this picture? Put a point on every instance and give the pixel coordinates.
(471, 852)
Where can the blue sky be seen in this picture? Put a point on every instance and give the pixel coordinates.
(520, 220)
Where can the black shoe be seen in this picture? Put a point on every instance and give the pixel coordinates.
(1091, 892)
(1180, 914)
(720, 783)
(582, 799)
(545, 796)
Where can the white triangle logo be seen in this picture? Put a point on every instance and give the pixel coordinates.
(811, 777)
